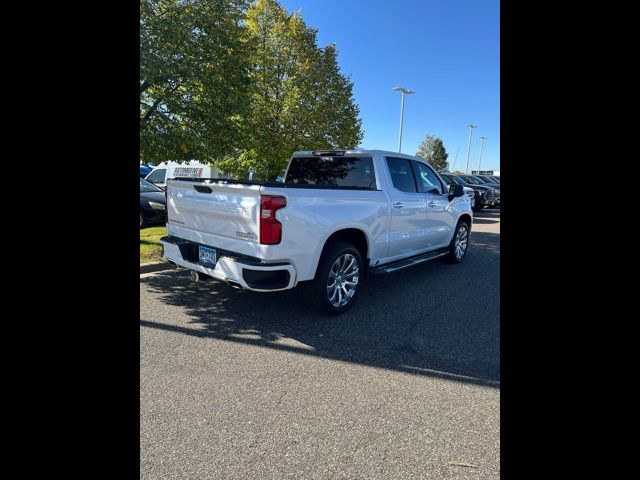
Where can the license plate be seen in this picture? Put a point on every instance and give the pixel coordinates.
(207, 256)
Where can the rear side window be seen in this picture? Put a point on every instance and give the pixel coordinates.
(449, 180)
(427, 179)
(469, 179)
(402, 174)
(157, 176)
(340, 172)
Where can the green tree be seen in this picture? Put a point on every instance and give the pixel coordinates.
(298, 99)
(193, 78)
(332, 115)
(433, 151)
(457, 172)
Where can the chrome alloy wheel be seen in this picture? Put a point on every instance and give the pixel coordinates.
(343, 280)
(462, 239)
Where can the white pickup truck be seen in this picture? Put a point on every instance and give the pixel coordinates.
(337, 216)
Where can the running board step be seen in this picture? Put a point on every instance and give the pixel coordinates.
(408, 262)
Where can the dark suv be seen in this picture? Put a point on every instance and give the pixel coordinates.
(489, 178)
(486, 194)
(477, 200)
(485, 180)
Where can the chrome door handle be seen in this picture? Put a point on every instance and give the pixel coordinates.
(432, 204)
(398, 205)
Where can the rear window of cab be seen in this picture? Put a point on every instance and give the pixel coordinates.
(333, 171)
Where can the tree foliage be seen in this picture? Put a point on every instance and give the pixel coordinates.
(239, 85)
(193, 78)
(298, 99)
(433, 151)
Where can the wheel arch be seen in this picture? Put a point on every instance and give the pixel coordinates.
(352, 235)
(467, 218)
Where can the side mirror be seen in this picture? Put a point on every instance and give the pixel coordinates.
(455, 191)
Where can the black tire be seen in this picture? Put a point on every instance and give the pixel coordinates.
(318, 289)
(141, 221)
(454, 254)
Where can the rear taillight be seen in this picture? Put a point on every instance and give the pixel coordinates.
(270, 228)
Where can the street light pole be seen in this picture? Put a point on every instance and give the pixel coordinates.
(471, 127)
(404, 92)
(482, 139)
(401, 121)
(456, 159)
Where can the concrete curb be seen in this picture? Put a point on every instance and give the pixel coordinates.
(155, 267)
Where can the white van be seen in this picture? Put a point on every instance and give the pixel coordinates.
(192, 169)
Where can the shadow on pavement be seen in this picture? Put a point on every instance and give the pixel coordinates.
(435, 319)
(487, 216)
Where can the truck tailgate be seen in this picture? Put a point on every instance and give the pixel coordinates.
(217, 214)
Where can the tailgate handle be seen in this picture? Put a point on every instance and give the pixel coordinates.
(202, 189)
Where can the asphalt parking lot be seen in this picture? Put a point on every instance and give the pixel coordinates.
(240, 385)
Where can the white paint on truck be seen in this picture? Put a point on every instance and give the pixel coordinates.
(226, 215)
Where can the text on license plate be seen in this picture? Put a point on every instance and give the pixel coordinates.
(207, 256)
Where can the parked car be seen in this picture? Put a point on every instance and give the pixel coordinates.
(494, 182)
(480, 191)
(485, 181)
(144, 171)
(152, 204)
(487, 193)
(337, 216)
(470, 192)
(490, 179)
(167, 170)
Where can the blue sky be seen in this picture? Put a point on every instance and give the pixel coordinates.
(447, 51)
